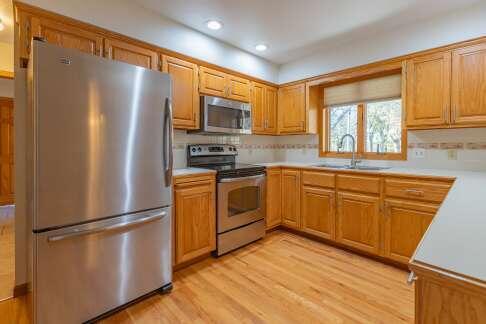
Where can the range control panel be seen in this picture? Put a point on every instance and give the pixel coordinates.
(211, 149)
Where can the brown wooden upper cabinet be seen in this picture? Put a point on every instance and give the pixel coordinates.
(264, 109)
(185, 94)
(130, 53)
(469, 86)
(447, 89)
(292, 109)
(428, 90)
(221, 84)
(67, 36)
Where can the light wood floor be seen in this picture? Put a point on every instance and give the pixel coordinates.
(7, 252)
(282, 279)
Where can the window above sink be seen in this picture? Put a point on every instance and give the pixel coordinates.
(371, 111)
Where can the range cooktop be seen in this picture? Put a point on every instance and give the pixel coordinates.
(222, 158)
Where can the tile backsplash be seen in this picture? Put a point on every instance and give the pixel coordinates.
(459, 149)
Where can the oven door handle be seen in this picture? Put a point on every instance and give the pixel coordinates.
(242, 178)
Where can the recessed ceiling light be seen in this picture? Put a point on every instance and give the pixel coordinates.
(214, 24)
(2, 26)
(261, 47)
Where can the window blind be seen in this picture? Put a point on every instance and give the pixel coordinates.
(367, 90)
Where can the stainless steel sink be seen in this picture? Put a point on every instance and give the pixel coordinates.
(333, 166)
(370, 167)
(348, 167)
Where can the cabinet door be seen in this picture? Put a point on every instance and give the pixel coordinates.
(274, 192)
(358, 221)
(185, 94)
(195, 220)
(291, 110)
(67, 36)
(6, 151)
(238, 88)
(405, 224)
(428, 90)
(318, 215)
(469, 85)
(129, 53)
(258, 108)
(213, 82)
(291, 198)
(271, 110)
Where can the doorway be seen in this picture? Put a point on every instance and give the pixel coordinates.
(7, 210)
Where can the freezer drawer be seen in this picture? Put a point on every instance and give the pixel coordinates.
(84, 271)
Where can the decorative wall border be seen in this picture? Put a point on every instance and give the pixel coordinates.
(449, 146)
(427, 146)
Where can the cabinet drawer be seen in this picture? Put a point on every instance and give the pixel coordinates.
(358, 183)
(318, 179)
(417, 190)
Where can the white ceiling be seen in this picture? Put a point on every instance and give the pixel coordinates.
(6, 14)
(293, 29)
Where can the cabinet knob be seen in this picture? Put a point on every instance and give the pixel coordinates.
(411, 278)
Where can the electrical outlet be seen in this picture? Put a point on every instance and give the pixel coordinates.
(419, 153)
(452, 154)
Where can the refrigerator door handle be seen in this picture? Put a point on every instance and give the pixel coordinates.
(76, 232)
(167, 147)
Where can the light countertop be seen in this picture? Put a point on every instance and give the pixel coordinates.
(456, 239)
(189, 171)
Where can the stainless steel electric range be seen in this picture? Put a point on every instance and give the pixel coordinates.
(240, 212)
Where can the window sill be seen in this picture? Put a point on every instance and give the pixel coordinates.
(366, 156)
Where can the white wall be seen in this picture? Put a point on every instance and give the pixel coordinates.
(6, 64)
(6, 88)
(6, 57)
(125, 17)
(454, 27)
(468, 144)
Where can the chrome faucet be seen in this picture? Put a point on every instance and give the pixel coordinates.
(354, 162)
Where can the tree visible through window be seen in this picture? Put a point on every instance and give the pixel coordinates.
(384, 126)
(375, 125)
(343, 120)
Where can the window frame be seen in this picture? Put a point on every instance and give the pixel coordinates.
(324, 138)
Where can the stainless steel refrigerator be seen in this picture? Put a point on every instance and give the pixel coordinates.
(99, 157)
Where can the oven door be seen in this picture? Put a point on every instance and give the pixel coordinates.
(225, 116)
(240, 201)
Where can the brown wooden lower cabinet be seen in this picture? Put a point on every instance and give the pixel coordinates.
(358, 221)
(274, 201)
(318, 212)
(405, 223)
(346, 208)
(194, 218)
(291, 198)
(448, 299)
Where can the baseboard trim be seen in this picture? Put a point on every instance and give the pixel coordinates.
(20, 290)
(346, 248)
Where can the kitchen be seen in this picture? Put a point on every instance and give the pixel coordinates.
(345, 183)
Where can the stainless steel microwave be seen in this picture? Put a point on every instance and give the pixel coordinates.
(223, 116)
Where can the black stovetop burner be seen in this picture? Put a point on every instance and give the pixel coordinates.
(222, 158)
